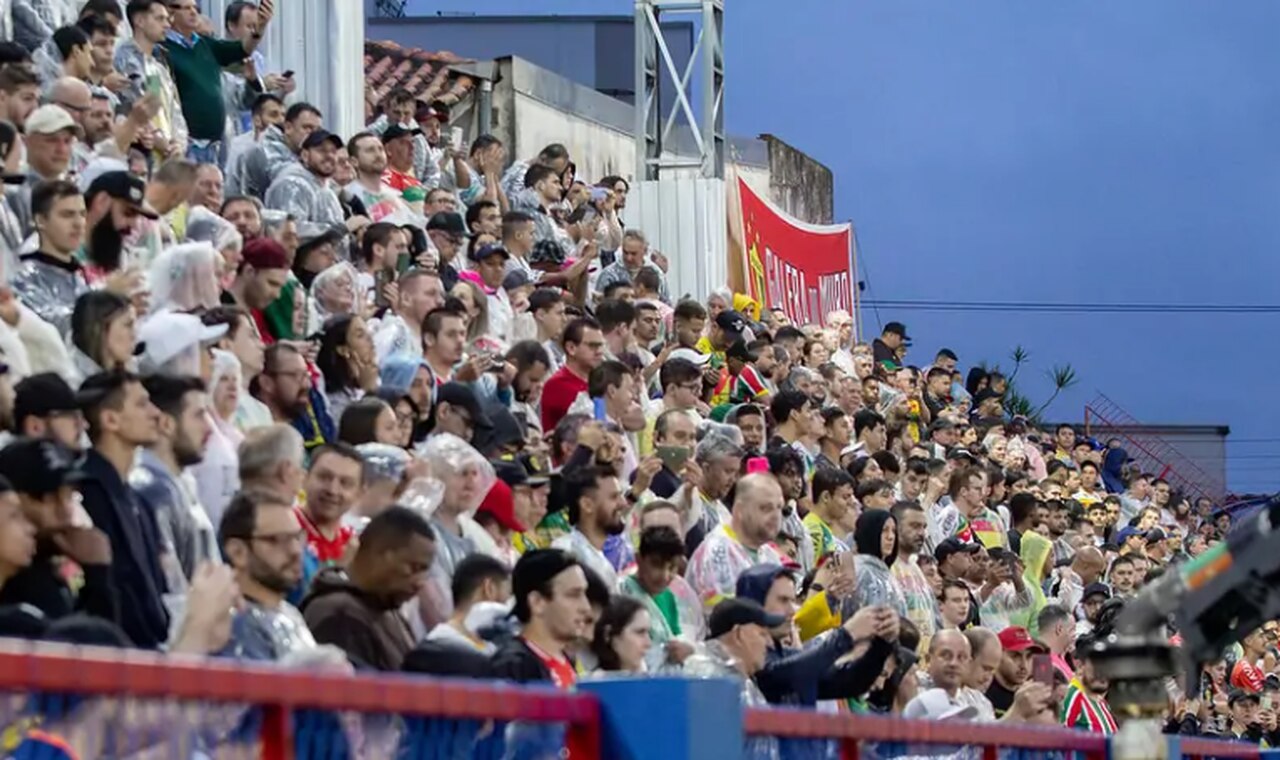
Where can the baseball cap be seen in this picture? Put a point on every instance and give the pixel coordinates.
(739, 350)
(535, 467)
(1126, 533)
(500, 504)
(515, 279)
(447, 221)
(983, 395)
(936, 704)
(897, 328)
(754, 583)
(731, 613)
(459, 395)
(510, 472)
(169, 333)
(321, 136)
(38, 466)
(942, 423)
(952, 546)
(50, 119)
(731, 322)
(486, 251)
(41, 396)
(1096, 588)
(395, 132)
(264, 253)
(696, 358)
(126, 187)
(547, 252)
(1016, 639)
(1154, 535)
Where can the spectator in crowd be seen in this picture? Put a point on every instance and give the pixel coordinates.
(742, 541)
(550, 590)
(303, 189)
(358, 609)
(332, 484)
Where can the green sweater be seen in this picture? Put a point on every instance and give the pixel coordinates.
(197, 72)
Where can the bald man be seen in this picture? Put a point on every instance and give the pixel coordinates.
(949, 660)
(747, 540)
(1068, 587)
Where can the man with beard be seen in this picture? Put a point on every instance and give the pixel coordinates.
(284, 384)
(744, 541)
(369, 158)
(267, 112)
(245, 213)
(264, 269)
(532, 365)
(114, 202)
(121, 418)
(543, 190)
(1085, 705)
(161, 479)
(263, 543)
(596, 512)
(331, 488)
(304, 189)
(921, 602)
(358, 610)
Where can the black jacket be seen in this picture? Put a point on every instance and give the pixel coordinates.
(515, 661)
(135, 551)
(804, 676)
(41, 586)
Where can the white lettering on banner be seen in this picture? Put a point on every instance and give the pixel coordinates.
(787, 287)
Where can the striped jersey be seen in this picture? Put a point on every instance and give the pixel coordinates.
(1079, 710)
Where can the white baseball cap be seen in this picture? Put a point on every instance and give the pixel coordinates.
(936, 704)
(695, 358)
(50, 119)
(169, 333)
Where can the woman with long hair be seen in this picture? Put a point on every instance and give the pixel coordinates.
(103, 334)
(369, 420)
(347, 362)
(876, 540)
(621, 638)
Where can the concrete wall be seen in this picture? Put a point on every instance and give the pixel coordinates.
(799, 184)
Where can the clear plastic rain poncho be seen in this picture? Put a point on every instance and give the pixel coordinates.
(389, 479)
(465, 474)
(334, 292)
(186, 278)
(204, 226)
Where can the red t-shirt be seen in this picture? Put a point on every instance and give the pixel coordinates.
(558, 395)
(563, 674)
(1245, 675)
(328, 550)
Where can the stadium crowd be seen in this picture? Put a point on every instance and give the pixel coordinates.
(377, 402)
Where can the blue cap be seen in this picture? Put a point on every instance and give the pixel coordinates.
(1127, 533)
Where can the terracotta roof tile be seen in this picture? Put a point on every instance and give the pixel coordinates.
(388, 65)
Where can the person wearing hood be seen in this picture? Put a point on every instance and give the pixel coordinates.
(304, 189)
(875, 538)
(1113, 463)
(278, 148)
(358, 609)
(205, 226)
(217, 475)
(186, 278)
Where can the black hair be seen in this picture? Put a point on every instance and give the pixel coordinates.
(434, 321)
(678, 372)
(553, 152)
(241, 515)
(138, 7)
(866, 419)
(103, 391)
(482, 142)
(581, 482)
(660, 542)
(598, 592)
(262, 100)
(1021, 506)
(618, 614)
(471, 573)
(393, 529)
(947, 353)
(782, 458)
(612, 313)
(537, 173)
(96, 24)
(527, 353)
(576, 327)
(786, 403)
(610, 292)
(359, 421)
(46, 193)
(612, 181)
(473, 211)
(829, 480)
(68, 38)
(788, 332)
(236, 9)
(870, 488)
(168, 392)
(889, 463)
(689, 309)
(378, 233)
(339, 449)
(298, 109)
(648, 278)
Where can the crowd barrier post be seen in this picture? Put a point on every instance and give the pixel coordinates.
(699, 718)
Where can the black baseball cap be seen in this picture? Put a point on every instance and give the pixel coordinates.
(731, 322)
(459, 395)
(536, 467)
(395, 132)
(952, 546)
(733, 612)
(741, 351)
(123, 186)
(486, 251)
(897, 328)
(38, 466)
(510, 472)
(447, 221)
(1096, 589)
(42, 395)
(320, 136)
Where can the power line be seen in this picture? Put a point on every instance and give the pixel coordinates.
(1070, 308)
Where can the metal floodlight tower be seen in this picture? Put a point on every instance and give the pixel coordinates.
(653, 56)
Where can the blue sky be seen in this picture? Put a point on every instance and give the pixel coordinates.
(1039, 150)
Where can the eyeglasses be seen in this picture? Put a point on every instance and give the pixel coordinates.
(71, 107)
(281, 539)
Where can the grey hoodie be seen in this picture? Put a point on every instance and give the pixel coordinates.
(264, 162)
(297, 191)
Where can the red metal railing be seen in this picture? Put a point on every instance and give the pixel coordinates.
(112, 673)
(851, 730)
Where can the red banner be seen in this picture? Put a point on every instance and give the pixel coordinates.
(805, 269)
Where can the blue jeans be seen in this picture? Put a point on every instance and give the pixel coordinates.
(202, 152)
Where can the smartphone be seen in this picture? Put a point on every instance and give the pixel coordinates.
(381, 279)
(455, 137)
(288, 74)
(599, 412)
(673, 457)
(403, 261)
(1042, 669)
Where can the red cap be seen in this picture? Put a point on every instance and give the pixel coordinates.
(501, 505)
(1017, 639)
(265, 253)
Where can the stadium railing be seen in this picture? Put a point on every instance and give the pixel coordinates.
(140, 705)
